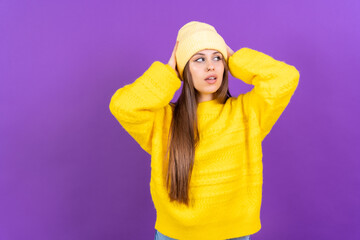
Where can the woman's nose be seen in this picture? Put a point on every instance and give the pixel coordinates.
(210, 66)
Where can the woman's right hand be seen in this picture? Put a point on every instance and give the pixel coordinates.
(172, 60)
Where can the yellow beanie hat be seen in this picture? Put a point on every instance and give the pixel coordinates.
(196, 36)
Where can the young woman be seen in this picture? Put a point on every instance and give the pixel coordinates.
(206, 155)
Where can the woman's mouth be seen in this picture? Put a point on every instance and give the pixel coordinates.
(211, 80)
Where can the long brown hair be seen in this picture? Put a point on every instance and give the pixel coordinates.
(184, 135)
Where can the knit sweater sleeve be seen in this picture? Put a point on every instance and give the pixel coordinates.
(274, 84)
(135, 105)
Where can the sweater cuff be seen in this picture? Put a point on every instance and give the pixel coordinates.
(243, 63)
(171, 69)
(163, 77)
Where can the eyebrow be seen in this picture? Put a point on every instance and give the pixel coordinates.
(204, 54)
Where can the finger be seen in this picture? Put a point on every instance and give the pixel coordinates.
(228, 49)
(174, 53)
(175, 48)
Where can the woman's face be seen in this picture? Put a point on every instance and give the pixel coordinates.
(203, 65)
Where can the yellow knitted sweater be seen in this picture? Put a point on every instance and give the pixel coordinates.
(226, 182)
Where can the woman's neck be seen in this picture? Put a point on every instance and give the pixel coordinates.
(205, 97)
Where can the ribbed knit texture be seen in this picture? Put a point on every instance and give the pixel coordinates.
(226, 183)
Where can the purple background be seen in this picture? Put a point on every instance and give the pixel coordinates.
(68, 170)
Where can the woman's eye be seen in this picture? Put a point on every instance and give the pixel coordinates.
(197, 60)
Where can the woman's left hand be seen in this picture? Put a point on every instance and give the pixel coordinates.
(230, 52)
